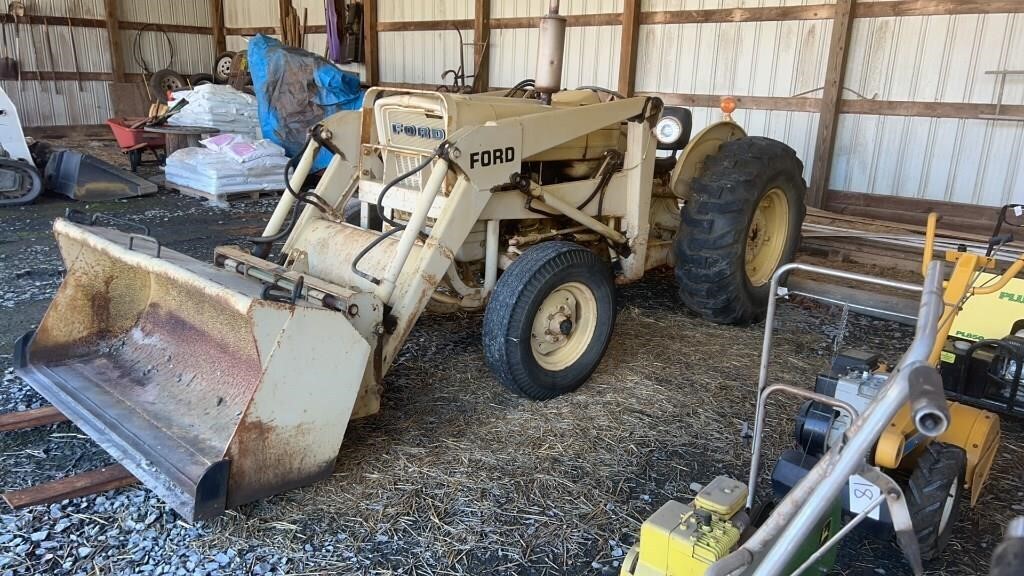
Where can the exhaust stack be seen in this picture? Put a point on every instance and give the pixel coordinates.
(550, 53)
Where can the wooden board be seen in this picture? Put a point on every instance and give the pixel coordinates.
(750, 14)
(30, 419)
(481, 45)
(92, 482)
(629, 46)
(969, 218)
(129, 99)
(114, 39)
(828, 120)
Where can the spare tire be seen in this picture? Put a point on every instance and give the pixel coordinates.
(200, 79)
(222, 67)
(20, 183)
(164, 81)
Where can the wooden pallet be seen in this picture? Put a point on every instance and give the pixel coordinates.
(222, 199)
(12, 421)
(82, 484)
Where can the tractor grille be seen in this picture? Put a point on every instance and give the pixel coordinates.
(413, 129)
(403, 163)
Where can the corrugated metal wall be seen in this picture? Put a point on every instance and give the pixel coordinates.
(38, 101)
(591, 52)
(249, 14)
(910, 58)
(41, 103)
(193, 53)
(740, 58)
(421, 57)
(941, 59)
(265, 14)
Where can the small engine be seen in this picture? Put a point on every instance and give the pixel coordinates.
(856, 378)
(988, 374)
(685, 539)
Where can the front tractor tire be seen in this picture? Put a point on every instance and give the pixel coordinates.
(741, 223)
(549, 320)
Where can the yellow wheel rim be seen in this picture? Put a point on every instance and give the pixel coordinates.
(563, 326)
(767, 237)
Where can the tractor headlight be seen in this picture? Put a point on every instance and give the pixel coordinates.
(673, 130)
(669, 130)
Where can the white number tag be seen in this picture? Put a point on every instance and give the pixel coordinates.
(862, 494)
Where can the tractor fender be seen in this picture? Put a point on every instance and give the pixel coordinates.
(691, 162)
(974, 430)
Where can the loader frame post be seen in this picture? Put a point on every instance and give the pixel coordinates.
(415, 287)
(641, 150)
(413, 228)
(298, 178)
(491, 256)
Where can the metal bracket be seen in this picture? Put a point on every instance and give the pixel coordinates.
(900, 514)
(999, 98)
(87, 219)
(133, 237)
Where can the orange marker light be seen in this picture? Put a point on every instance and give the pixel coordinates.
(728, 105)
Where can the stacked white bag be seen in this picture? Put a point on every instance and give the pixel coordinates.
(218, 106)
(229, 163)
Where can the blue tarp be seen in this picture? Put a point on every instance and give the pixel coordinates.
(296, 89)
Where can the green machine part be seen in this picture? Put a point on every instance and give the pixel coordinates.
(829, 524)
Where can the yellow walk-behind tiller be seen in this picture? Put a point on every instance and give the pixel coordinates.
(934, 472)
(220, 383)
(880, 445)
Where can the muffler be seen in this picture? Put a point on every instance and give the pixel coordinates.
(550, 53)
(210, 393)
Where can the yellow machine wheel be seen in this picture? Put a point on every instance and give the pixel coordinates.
(564, 326)
(767, 237)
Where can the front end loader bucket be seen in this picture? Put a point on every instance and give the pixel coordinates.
(208, 393)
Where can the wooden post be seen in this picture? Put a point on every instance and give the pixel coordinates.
(371, 59)
(114, 39)
(482, 45)
(220, 42)
(831, 97)
(630, 42)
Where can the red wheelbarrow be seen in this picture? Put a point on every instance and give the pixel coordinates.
(134, 140)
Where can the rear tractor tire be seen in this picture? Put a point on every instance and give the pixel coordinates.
(549, 320)
(933, 493)
(740, 225)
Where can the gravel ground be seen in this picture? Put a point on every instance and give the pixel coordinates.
(454, 476)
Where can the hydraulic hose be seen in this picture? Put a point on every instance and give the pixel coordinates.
(387, 188)
(263, 243)
(396, 226)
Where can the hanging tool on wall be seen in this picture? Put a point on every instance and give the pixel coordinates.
(74, 50)
(49, 53)
(354, 38)
(8, 64)
(17, 9)
(40, 64)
